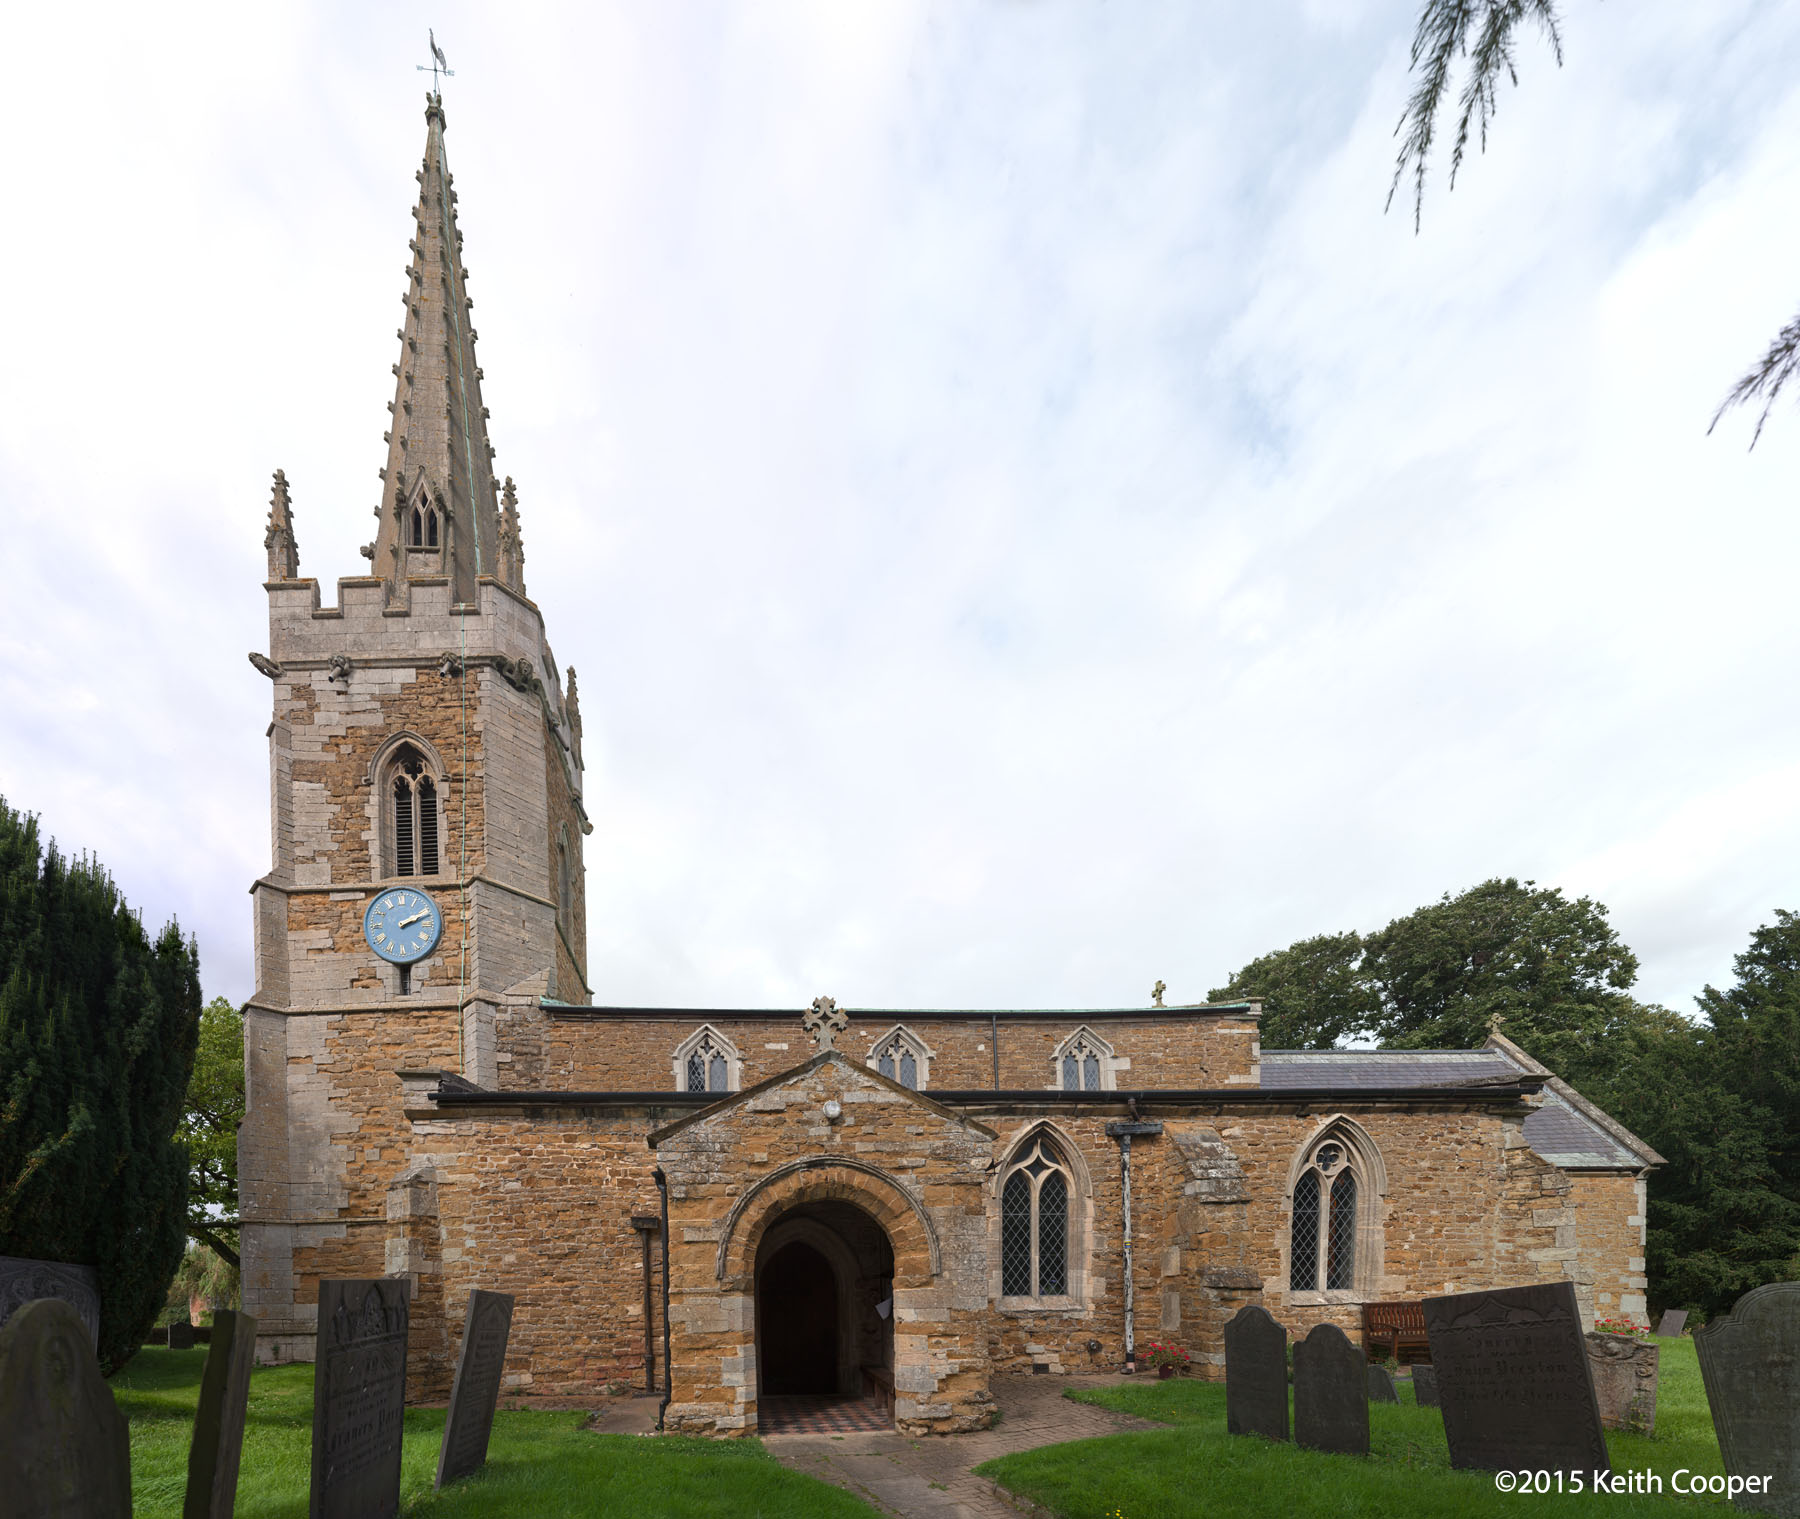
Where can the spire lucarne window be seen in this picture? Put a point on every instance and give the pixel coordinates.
(412, 805)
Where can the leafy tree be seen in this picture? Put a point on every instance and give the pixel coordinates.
(1314, 993)
(1486, 32)
(215, 1107)
(98, 1025)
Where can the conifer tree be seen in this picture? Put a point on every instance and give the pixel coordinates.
(98, 1024)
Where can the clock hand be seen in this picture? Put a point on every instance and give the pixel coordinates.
(426, 913)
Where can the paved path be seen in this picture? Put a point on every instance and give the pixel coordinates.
(929, 1477)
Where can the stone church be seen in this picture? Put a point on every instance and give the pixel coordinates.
(731, 1207)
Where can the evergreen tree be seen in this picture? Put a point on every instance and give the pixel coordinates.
(98, 1025)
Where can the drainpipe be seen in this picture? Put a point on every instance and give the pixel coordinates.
(646, 1225)
(662, 1186)
(1123, 1132)
(994, 1043)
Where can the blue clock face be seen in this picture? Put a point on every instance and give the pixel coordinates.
(403, 926)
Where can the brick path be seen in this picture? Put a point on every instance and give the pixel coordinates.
(929, 1478)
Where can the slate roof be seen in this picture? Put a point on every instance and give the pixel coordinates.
(1566, 1130)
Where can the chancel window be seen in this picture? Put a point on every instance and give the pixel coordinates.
(1034, 1223)
(412, 803)
(900, 1055)
(706, 1062)
(1322, 1242)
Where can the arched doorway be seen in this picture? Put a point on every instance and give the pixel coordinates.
(825, 1311)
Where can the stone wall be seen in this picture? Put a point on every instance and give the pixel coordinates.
(1610, 1228)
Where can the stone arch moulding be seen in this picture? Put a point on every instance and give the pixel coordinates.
(1355, 1138)
(1080, 1217)
(734, 1065)
(391, 744)
(1084, 1042)
(922, 1054)
(909, 1227)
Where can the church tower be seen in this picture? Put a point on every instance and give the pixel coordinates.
(427, 823)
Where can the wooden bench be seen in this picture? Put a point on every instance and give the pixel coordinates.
(1399, 1327)
(878, 1383)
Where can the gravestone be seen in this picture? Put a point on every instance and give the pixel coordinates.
(477, 1386)
(359, 1398)
(1750, 1362)
(65, 1452)
(25, 1281)
(1513, 1375)
(1673, 1322)
(1256, 1380)
(181, 1335)
(1381, 1385)
(1625, 1376)
(218, 1442)
(1425, 1388)
(1331, 1393)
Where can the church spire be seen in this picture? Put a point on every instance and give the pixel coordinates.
(437, 512)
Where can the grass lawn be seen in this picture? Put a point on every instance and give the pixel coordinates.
(543, 1465)
(1195, 1468)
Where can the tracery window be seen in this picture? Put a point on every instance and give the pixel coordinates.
(424, 527)
(706, 1062)
(1083, 1063)
(902, 1056)
(1322, 1241)
(1034, 1223)
(411, 800)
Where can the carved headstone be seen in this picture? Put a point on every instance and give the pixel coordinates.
(359, 1398)
(65, 1452)
(1625, 1376)
(1673, 1322)
(219, 1421)
(1381, 1386)
(1256, 1384)
(1750, 1361)
(181, 1335)
(25, 1281)
(477, 1386)
(1331, 1393)
(1513, 1374)
(1425, 1388)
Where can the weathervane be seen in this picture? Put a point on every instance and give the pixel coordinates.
(439, 63)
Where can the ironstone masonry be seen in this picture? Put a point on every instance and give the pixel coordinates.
(943, 1180)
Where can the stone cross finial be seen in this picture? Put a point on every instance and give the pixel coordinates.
(824, 1022)
(512, 546)
(284, 552)
(1156, 994)
(572, 705)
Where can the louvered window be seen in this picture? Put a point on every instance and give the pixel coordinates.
(1034, 1224)
(1322, 1240)
(412, 816)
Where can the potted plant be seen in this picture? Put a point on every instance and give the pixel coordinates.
(1167, 1359)
(1622, 1326)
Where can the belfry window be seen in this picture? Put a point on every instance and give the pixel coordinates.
(424, 527)
(706, 1062)
(900, 1055)
(1034, 1223)
(412, 803)
(1322, 1239)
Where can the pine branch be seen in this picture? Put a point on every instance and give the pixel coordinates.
(1766, 378)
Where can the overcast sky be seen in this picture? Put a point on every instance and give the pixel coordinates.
(1026, 521)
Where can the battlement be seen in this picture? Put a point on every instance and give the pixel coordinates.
(423, 623)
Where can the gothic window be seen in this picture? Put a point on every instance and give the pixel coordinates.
(1083, 1063)
(1329, 1246)
(424, 526)
(1035, 1203)
(410, 797)
(706, 1062)
(902, 1056)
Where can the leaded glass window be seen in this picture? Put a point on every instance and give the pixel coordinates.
(707, 1067)
(1081, 1064)
(900, 1057)
(1322, 1240)
(1034, 1224)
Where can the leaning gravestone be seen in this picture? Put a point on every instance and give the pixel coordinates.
(25, 1281)
(1331, 1393)
(1625, 1376)
(1513, 1374)
(1256, 1384)
(1425, 1388)
(477, 1386)
(219, 1421)
(359, 1398)
(181, 1335)
(1750, 1361)
(65, 1452)
(1381, 1385)
(1673, 1322)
